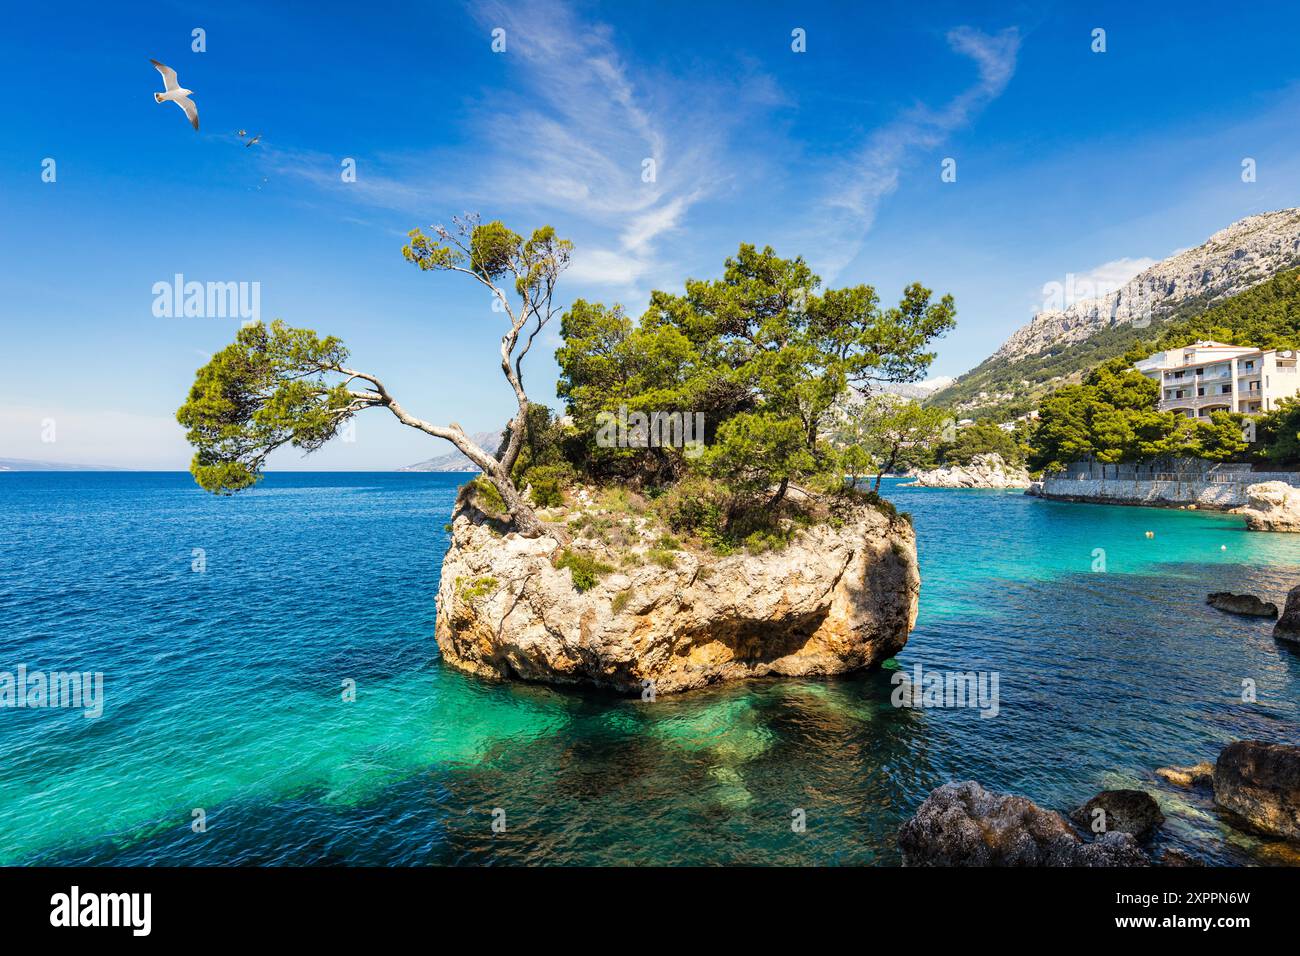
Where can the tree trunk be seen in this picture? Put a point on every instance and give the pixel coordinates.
(522, 516)
(780, 492)
(887, 466)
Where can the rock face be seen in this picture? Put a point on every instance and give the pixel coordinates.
(1287, 627)
(984, 471)
(1232, 260)
(1134, 812)
(1260, 782)
(835, 599)
(1198, 775)
(1246, 605)
(962, 824)
(1271, 506)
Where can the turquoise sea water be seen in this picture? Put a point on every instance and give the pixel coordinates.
(223, 688)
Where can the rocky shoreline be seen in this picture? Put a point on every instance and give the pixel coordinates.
(1255, 786)
(984, 471)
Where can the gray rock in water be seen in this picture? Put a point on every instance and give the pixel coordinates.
(1260, 782)
(1244, 604)
(962, 824)
(1121, 811)
(1287, 627)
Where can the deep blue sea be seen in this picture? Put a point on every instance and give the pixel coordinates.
(226, 628)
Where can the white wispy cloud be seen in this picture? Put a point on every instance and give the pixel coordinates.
(573, 129)
(858, 186)
(618, 151)
(572, 134)
(1100, 280)
(608, 267)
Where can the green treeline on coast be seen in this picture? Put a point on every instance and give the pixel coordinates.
(1111, 415)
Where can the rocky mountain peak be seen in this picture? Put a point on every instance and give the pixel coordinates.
(1232, 260)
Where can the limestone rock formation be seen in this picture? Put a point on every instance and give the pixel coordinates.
(1134, 812)
(962, 824)
(1260, 782)
(1247, 605)
(984, 471)
(1198, 775)
(1271, 506)
(840, 596)
(1287, 627)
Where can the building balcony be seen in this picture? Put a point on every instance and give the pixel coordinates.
(1219, 398)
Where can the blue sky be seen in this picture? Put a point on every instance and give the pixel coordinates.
(1068, 162)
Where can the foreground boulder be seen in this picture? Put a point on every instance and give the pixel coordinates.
(1134, 812)
(1260, 783)
(1287, 627)
(1198, 775)
(835, 599)
(1271, 506)
(984, 471)
(962, 824)
(1245, 604)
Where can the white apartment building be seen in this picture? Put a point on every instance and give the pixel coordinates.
(1210, 377)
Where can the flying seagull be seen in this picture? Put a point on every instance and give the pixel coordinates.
(173, 92)
(254, 140)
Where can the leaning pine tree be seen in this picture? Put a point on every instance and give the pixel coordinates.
(278, 385)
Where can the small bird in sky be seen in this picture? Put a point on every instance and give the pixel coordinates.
(175, 93)
(255, 139)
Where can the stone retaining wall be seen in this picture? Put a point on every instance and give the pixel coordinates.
(1220, 495)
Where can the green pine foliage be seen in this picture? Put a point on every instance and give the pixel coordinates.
(763, 355)
(1112, 417)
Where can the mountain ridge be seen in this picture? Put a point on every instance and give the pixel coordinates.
(454, 461)
(1056, 345)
